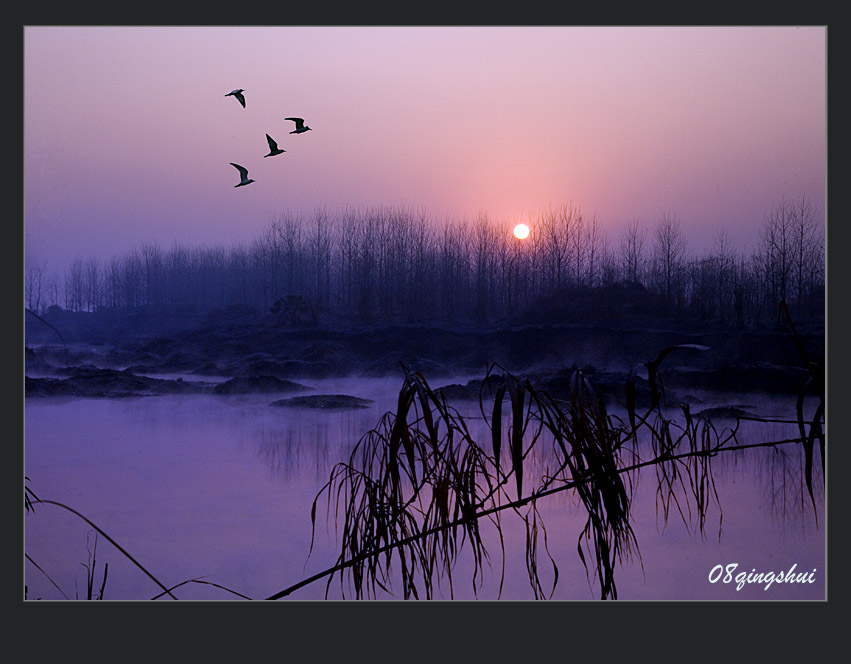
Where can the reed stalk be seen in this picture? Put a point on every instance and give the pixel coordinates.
(410, 498)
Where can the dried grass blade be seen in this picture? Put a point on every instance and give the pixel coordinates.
(426, 395)
(517, 393)
(496, 423)
(399, 433)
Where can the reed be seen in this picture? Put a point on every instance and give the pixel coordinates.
(90, 571)
(412, 495)
(815, 381)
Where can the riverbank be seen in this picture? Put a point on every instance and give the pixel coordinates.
(77, 356)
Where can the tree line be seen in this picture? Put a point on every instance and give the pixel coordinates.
(394, 264)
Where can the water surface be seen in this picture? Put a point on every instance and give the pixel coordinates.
(220, 489)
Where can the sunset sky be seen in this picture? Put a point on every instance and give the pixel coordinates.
(128, 134)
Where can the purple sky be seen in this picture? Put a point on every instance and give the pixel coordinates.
(128, 134)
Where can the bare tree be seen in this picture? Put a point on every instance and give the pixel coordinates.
(596, 245)
(419, 299)
(553, 230)
(289, 237)
(452, 268)
(151, 259)
(631, 251)
(668, 251)
(483, 256)
(776, 237)
(808, 252)
(74, 286)
(92, 284)
(724, 256)
(35, 284)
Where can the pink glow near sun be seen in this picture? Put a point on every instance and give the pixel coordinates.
(129, 135)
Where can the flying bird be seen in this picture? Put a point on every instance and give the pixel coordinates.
(243, 175)
(300, 127)
(273, 147)
(238, 94)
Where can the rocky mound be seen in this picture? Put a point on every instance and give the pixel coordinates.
(94, 382)
(255, 384)
(324, 401)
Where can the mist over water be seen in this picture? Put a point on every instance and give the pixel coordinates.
(220, 489)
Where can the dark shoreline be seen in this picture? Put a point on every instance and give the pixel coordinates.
(104, 358)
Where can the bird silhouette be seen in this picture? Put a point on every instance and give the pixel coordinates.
(238, 94)
(273, 147)
(300, 127)
(243, 175)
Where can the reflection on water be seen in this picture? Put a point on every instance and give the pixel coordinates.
(220, 489)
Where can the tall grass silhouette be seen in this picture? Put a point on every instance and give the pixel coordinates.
(418, 489)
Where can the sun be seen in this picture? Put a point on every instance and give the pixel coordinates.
(521, 231)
